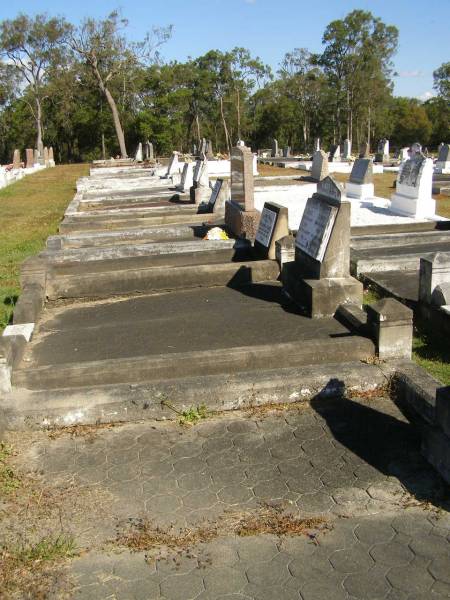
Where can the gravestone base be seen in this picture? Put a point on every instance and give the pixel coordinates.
(418, 208)
(321, 297)
(442, 168)
(241, 223)
(359, 191)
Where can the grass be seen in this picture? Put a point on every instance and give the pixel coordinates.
(431, 351)
(29, 568)
(30, 211)
(8, 479)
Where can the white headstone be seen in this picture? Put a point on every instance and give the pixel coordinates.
(347, 149)
(414, 188)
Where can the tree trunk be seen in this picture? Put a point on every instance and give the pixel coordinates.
(38, 124)
(197, 122)
(117, 124)
(238, 114)
(103, 147)
(227, 137)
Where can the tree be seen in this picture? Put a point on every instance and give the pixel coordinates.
(442, 81)
(113, 60)
(410, 122)
(357, 60)
(32, 45)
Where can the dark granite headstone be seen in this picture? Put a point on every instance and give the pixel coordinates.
(444, 153)
(362, 171)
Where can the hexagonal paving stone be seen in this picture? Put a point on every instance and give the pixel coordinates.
(391, 554)
(411, 523)
(440, 568)
(431, 546)
(368, 585)
(194, 481)
(351, 560)
(371, 531)
(200, 499)
(305, 484)
(182, 587)
(235, 494)
(270, 489)
(413, 578)
(163, 504)
(257, 548)
(272, 573)
(224, 580)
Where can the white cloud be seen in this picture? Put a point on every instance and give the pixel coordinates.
(410, 73)
(426, 96)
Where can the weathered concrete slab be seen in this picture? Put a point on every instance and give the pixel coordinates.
(178, 334)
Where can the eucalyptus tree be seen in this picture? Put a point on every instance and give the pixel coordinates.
(357, 61)
(114, 60)
(32, 46)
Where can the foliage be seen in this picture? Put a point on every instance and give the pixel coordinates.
(8, 479)
(193, 415)
(99, 93)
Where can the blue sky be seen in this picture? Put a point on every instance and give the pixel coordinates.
(269, 28)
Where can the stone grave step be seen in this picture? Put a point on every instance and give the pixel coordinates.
(130, 220)
(156, 233)
(180, 334)
(406, 258)
(412, 238)
(357, 230)
(402, 285)
(100, 279)
(134, 250)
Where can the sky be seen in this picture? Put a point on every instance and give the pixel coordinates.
(270, 28)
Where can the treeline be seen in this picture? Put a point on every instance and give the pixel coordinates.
(89, 91)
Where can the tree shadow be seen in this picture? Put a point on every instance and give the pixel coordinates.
(390, 445)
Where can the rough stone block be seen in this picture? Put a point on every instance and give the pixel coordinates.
(391, 324)
(240, 222)
(436, 449)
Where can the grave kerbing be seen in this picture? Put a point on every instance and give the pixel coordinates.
(319, 279)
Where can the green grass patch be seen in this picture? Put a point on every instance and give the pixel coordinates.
(8, 479)
(432, 352)
(193, 415)
(30, 211)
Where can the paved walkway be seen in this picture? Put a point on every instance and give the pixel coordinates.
(334, 500)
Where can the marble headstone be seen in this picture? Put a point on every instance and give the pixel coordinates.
(360, 183)
(319, 169)
(414, 188)
(30, 158)
(347, 149)
(273, 226)
(335, 153)
(275, 151)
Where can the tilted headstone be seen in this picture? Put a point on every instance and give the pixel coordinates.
(319, 278)
(335, 153)
(319, 169)
(187, 177)
(30, 158)
(196, 173)
(219, 195)
(173, 166)
(434, 271)
(16, 159)
(273, 225)
(443, 161)
(209, 150)
(414, 188)
(364, 150)
(202, 191)
(275, 151)
(347, 149)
